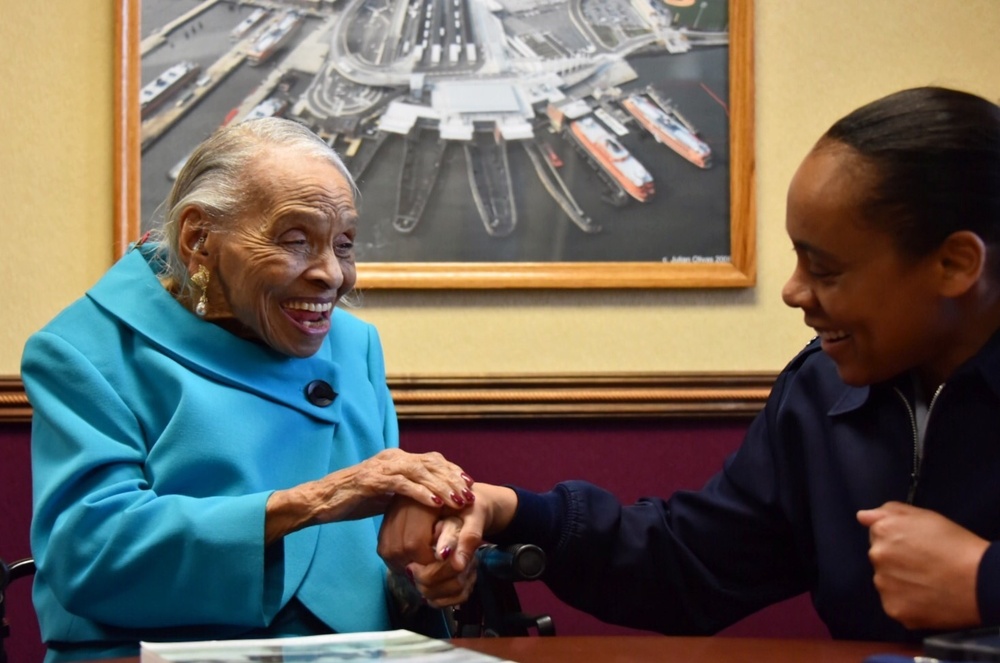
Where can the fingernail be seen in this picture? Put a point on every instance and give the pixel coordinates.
(467, 479)
(446, 552)
(469, 495)
(457, 500)
(409, 574)
(437, 500)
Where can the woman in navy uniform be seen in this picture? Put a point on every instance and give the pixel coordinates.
(870, 478)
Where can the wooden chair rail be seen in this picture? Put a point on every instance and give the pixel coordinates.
(527, 396)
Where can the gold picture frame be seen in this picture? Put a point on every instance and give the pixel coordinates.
(738, 272)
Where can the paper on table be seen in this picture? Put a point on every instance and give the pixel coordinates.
(399, 645)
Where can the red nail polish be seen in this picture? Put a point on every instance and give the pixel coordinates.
(437, 500)
(446, 553)
(469, 495)
(457, 500)
(467, 479)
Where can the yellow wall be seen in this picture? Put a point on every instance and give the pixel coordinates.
(815, 60)
(55, 160)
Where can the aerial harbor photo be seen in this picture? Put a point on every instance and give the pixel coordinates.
(477, 130)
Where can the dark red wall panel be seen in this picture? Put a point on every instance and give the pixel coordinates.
(15, 518)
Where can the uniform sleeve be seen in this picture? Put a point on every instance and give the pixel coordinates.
(692, 564)
(988, 586)
(108, 547)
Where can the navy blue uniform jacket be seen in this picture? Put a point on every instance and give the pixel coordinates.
(780, 518)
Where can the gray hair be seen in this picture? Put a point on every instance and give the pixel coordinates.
(215, 178)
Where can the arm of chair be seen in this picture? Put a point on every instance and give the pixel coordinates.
(9, 573)
(18, 569)
(494, 609)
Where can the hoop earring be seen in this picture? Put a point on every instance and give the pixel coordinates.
(200, 280)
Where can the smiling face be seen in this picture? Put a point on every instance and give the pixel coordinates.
(278, 269)
(877, 311)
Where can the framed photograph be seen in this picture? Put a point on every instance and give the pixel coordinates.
(495, 143)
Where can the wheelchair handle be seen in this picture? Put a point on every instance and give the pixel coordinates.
(522, 561)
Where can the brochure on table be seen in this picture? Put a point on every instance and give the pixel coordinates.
(400, 645)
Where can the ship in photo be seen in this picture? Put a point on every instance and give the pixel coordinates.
(248, 24)
(165, 85)
(489, 177)
(613, 158)
(669, 130)
(272, 107)
(275, 38)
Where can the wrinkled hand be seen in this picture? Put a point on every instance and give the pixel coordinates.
(428, 478)
(925, 566)
(365, 490)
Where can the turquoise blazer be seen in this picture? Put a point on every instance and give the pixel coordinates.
(157, 439)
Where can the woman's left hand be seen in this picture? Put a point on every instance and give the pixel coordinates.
(365, 489)
(428, 478)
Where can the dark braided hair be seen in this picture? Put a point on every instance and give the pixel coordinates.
(936, 155)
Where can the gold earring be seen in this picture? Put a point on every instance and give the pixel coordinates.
(200, 281)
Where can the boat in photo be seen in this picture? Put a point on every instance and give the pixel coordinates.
(613, 158)
(275, 38)
(248, 24)
(551, 156)
(175, 170)
(423, 152)
(166, 85)
(271, 107)
(489, 179)
(669, 130)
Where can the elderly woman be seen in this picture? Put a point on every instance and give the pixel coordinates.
(870, 477)
(213, 439)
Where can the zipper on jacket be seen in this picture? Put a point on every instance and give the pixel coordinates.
(917, 456)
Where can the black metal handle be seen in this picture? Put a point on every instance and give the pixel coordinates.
(522, 561)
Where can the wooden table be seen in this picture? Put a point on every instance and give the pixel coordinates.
(630, 649)
(633, 649)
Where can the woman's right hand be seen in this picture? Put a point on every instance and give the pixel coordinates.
(420, 543)
(447, 580)
(437, 547)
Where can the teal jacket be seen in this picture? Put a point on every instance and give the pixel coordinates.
(157, 439)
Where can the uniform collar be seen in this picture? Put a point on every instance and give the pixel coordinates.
(132, 292)
(986, 363)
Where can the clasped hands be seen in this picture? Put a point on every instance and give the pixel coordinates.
(435, 546)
